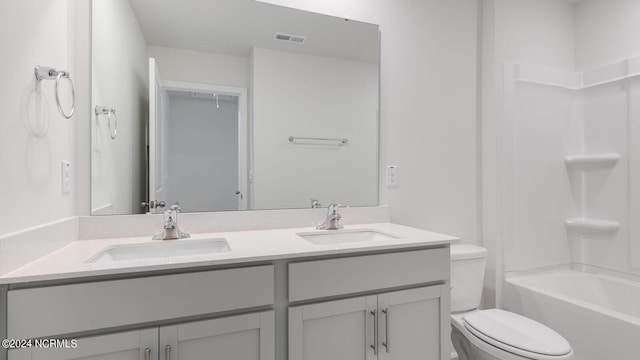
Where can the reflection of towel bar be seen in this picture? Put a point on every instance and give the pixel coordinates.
(104, 110)
(341, 140)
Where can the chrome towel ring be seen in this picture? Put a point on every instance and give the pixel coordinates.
(104, 110)
(49, 73)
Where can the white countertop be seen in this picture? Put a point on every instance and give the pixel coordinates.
(70, 261)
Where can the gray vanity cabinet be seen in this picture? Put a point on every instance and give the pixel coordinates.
(337, 330)
(403, 316)
(105, 306)
(402, 325)
(247, 337)
(372, 306)
(129, 345)
(410, 324)
(93, 306)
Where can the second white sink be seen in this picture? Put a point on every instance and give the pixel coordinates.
(344, 236)
(161, 249)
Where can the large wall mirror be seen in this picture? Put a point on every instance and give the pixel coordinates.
(231, 105)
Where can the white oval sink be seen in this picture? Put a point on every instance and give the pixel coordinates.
(160, 249)
(344, 236)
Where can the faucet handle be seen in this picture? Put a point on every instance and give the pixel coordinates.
(175, 207)
(333, 208)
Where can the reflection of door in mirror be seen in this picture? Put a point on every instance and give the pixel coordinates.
(157, 158)
(197, 145)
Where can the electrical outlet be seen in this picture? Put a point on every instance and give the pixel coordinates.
(66, 177)
(392, 176)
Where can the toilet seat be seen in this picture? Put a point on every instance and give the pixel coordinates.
(516, 334)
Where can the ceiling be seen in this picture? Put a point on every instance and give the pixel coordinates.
(234, 27)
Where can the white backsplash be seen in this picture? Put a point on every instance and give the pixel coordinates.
(101, 227)
(22, 247)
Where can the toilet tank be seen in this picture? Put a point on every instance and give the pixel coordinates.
(467, 276)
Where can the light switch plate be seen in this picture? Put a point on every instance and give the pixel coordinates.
(66, 177)
(392, 176)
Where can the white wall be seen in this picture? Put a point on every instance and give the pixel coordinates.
(34, 137)
(201, 67)
(606, 32)
(535, 31)
(428, 106)
(119, 80)
(531, 32)
(312, 96)
(203, 153)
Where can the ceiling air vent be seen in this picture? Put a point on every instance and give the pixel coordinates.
(298, 39)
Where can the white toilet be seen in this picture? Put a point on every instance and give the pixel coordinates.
(493, 334)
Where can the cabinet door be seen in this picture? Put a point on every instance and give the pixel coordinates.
(131, 345)
(336, 330)
(414, 324)
(242, 337)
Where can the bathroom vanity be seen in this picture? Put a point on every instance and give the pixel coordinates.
(376, 291)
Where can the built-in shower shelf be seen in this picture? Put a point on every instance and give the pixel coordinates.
(591, 161)
(592, 225)
(607, 74)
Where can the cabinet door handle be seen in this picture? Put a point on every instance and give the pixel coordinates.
(375, 332)
(147, 354)
(386, 330)
(167, 352)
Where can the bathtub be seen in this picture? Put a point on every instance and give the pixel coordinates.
(598, 314)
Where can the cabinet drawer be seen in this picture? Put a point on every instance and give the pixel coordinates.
(73, 308)
(322, 278)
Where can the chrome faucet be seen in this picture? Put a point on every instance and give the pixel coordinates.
(333, 217)
(171, 230)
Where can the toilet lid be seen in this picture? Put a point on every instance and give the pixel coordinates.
(510, 330)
